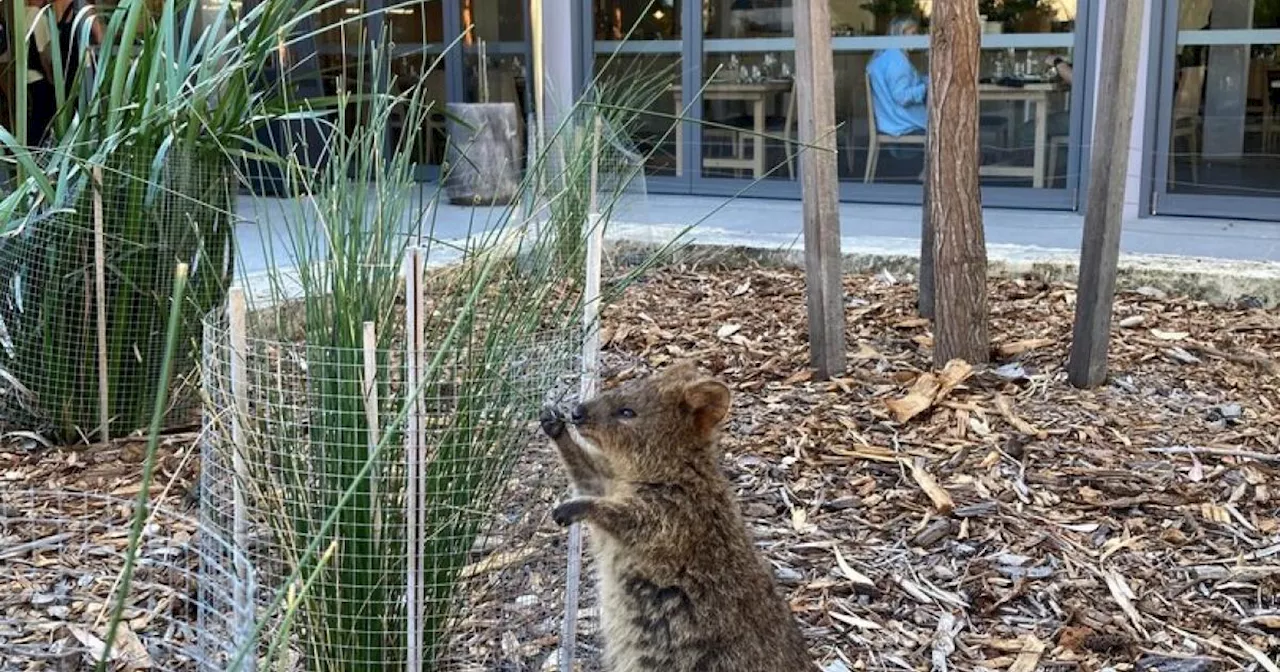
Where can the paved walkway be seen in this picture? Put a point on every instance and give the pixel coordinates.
(867, 228)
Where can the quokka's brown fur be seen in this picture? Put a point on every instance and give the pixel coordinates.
(682, 587)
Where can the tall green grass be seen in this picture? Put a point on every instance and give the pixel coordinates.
(495, 334)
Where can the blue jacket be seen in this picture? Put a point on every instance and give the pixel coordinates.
(899, 93)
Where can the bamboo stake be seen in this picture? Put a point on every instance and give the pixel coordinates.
(100, 290)
(484, 73)
(371, 417)
(590, 383)
(240, 396)
(419, 320)
(414, 657)
(539, 68)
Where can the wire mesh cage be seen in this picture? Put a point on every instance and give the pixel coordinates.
(309, 463)
(61, 556)
(86, 287)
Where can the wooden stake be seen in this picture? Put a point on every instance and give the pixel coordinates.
(371, 417)
(100, 293)
(590, 384)
(955, 207)
(413, 660)
(237, 333)
(819, 188)
(1104, 208)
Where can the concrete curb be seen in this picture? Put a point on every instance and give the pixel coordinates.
(1218, 281)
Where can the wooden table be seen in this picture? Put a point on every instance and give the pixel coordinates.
(755, 93)
(1036, 95)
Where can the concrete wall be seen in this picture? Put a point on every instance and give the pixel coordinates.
(560, 53)
(1133, 181)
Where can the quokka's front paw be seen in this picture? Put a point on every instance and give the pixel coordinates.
(569, 512)
(552, 422)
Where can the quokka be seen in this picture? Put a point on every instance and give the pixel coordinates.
(682, 587)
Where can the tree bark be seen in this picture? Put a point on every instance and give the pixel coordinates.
(955, 208)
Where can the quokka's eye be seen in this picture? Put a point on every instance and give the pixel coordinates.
(626, 413)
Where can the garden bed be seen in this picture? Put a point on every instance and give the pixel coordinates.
(1133, 523)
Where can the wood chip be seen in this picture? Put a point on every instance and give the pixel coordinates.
(1029, 655)
(928, 390)
(942, 501)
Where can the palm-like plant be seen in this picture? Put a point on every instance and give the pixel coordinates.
(164, 110)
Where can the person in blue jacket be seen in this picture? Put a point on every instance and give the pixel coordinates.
(898, 90)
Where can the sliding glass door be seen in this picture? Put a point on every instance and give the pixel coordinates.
(437, 43)
(1216, 76)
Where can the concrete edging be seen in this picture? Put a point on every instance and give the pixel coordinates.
(1217, 281)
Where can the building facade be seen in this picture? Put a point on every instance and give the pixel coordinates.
(1206, 135)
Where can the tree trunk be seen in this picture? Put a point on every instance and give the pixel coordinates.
(925, 293)
(955, 209)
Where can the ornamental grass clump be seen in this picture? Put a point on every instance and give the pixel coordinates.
(386, 415)
(163, 112)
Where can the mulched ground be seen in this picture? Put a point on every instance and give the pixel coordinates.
(994, 518)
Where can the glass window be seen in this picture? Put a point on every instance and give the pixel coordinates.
(1224, 130)
(1024, 91)
(748, 103)
(499, 24)
(418, 37)
(638, 43)
(640, 19)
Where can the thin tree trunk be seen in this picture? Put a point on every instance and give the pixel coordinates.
(955, 209)
(925, 293)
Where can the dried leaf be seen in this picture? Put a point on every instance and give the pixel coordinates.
(728, 330)
(851, 620)
(1029, 656)
(849, 572)
(1169, 335)
(1124, 597)
(1267, 664)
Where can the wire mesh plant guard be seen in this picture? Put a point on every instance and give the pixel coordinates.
(358, 439)
(61, 554)
(301, 449)
(86, 291)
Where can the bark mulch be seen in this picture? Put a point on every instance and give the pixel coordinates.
(974, 517)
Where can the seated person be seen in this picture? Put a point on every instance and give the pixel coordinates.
(897, 88)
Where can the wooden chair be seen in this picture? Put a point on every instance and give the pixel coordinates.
(786, 129)
(877, 138)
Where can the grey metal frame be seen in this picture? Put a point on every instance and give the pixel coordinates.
(694, 48)
(1155, 194)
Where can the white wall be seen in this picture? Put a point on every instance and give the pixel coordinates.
(1133, 179)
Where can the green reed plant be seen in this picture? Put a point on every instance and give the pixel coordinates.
(164, 111)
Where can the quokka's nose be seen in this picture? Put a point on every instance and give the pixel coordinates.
(578, 415)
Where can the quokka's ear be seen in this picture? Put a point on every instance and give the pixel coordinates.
(681, 370)
(708, 401)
